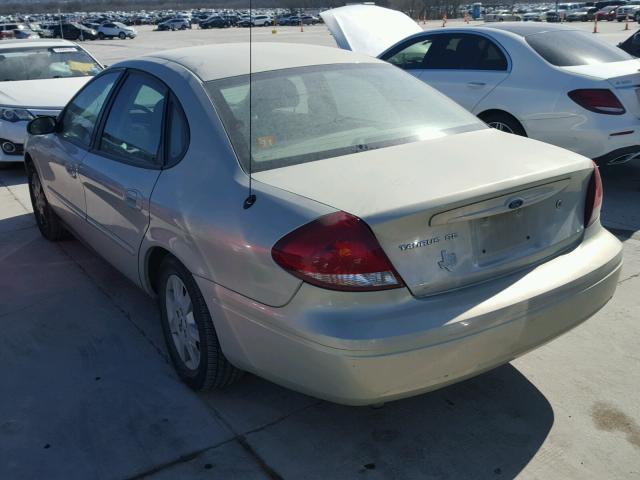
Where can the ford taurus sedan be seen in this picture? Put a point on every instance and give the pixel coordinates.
(554, 83)
(328, 222)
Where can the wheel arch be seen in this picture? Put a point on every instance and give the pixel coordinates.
(497, 111)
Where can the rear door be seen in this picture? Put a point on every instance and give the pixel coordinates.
(120, 172)
(464, 66)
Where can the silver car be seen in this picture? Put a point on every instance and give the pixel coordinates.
(329, 223)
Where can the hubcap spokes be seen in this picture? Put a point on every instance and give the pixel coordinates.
(38, 195)
(501, 126)
(182, 323)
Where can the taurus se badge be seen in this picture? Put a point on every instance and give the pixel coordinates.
(448, 261)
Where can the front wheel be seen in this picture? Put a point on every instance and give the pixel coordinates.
(189, 332)
(504, 122)
(101, 36)
(122, 36)
(48, 222)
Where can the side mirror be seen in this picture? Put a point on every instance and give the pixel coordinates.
(42, 126)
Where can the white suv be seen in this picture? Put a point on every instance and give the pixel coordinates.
(115, 29)
(262, 20)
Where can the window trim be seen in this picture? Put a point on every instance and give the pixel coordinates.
(98, 132)
(429, 35)
(168, 120)
(61, 115)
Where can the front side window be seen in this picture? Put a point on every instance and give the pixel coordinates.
(412, 56)
(306, 114)
(573, 48)
(80, 117)
(38, 63)
(133, 129)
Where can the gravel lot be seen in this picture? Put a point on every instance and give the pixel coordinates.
(88, 391)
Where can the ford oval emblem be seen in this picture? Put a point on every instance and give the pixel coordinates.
(516, 203)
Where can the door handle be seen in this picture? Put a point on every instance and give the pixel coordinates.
(72, 169)
(131, 199)
(476, 84)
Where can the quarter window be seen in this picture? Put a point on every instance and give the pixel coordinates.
(178, 133)
(80, 117)
(133, 130)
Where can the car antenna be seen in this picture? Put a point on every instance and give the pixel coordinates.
(251, 199)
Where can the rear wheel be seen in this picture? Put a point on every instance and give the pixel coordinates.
(189, 331)
(101, 36)
(122, 36)
(504, 122)
(48, 222)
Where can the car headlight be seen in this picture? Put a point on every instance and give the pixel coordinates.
(15, 114)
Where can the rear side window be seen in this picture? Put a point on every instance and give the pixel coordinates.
(133, 129)
(574, 48)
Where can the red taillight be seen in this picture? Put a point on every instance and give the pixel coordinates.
(337, 251)
(594, 198)
(599, 100)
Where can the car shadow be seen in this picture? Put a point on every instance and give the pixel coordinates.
(620, 207)
(12, 174)
(489, 426)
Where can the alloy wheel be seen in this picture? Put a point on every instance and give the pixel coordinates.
(503, 127)
(182, 323)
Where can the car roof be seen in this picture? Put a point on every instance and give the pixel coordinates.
(524, 29)
(214, 62)
(12, 44)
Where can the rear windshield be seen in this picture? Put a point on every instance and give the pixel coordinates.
(306, 114)
(42, 63)
(573, 48)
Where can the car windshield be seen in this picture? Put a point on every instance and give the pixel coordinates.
(45, 62)
(573, 48)
(305, 114)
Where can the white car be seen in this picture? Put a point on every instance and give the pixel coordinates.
(37, 78)
(554, 83)
(116, 30)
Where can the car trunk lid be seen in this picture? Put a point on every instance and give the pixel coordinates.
(368, 29)
(453, 213)
(623, 77)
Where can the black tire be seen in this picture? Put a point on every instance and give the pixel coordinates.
(122, 36)
(213, 370)
(48, 222)
(504, 122)
(100, 36)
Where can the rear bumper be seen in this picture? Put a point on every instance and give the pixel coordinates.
(592, 135)
(389, 345)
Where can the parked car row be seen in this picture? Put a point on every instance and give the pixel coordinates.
(609, 10)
